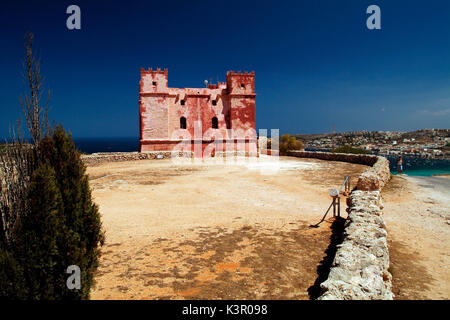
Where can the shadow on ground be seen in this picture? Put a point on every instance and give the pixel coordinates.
(337, 229)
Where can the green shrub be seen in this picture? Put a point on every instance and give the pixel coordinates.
(287, 142)
(349, 149)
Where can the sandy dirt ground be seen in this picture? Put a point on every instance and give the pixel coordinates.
(417, 215)
(211, 231)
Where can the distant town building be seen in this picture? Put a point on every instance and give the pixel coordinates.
(421, 143)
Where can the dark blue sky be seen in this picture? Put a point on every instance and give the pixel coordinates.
(316, 63)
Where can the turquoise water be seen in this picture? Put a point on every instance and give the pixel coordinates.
(420, 167)
(423, 172)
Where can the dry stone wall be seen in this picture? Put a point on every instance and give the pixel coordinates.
(365, 159)
(97, 158)
(360, 267)
(376, 177)
(102, 157)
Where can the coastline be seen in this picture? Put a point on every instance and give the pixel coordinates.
(445, 175)
(417, 216)
(436, 187)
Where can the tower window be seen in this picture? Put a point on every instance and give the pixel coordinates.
(215, 123)
(214, 102)
(182, 102)
(182, 123)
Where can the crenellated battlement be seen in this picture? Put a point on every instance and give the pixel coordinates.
(157, 71)
(240, 83)
(239, 73)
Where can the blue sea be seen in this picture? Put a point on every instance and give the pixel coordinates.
(93, 145)
(411, 166)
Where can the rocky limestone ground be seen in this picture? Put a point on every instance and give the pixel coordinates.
(212, 231)
(417, 215)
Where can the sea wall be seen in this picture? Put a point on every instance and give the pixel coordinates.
(360, 267)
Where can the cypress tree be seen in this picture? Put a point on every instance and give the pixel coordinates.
(38, 235)
(12, 284)
(81, 234)
(62, 227)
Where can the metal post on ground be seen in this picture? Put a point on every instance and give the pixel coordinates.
(339, 206)
(347, 188)
(334, 207)
(336, 202)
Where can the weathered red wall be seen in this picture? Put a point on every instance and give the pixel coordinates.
(160, 111)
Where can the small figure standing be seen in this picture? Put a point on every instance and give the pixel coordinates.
(400, 165)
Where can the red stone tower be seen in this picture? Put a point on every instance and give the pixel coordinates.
(222, 111)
